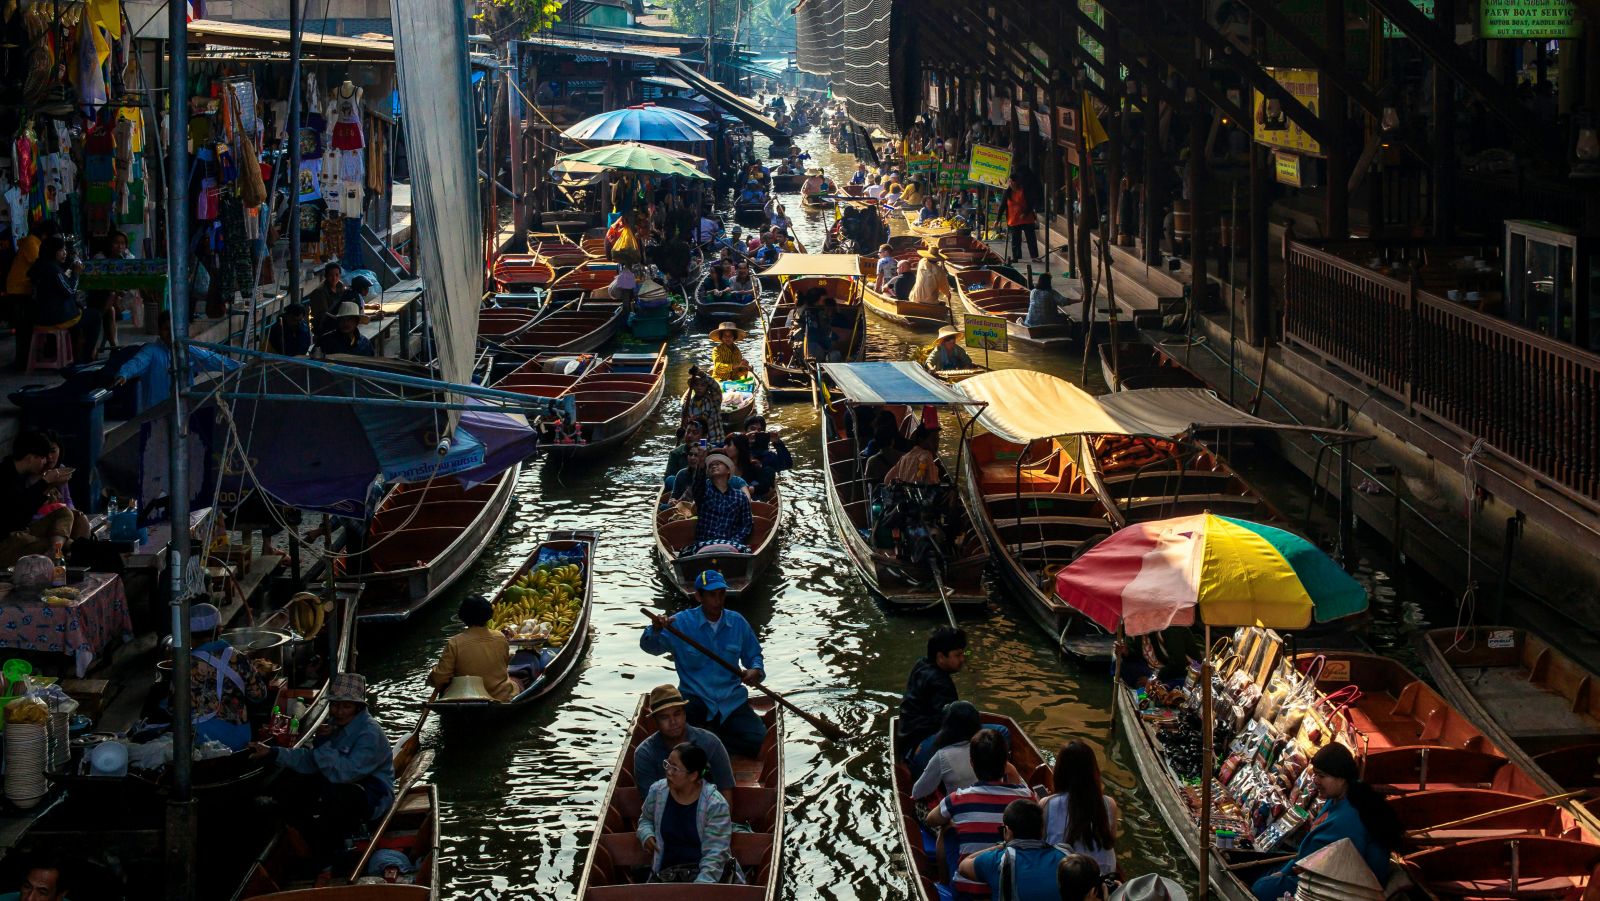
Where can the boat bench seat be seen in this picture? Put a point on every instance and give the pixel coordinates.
(623, 814)
(1401, 770)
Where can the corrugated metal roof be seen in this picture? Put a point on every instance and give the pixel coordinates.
(257, 37)
(602, 48)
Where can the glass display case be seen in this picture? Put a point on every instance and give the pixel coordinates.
(1551, 280)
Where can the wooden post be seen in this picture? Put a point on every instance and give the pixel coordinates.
(1336, 212)
(1443, 191)
(1258, 320)
(1152, 174)
(1197, 188)
(1208, 718)
(1115, 91)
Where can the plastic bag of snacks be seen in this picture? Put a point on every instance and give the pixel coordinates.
(27, 710)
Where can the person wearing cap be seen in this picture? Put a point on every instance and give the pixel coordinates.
(670, 712)
(476, 651)
(1350, 809)
(933, 283)
(222, 683)
(716, 698)
(948, 353)
(727, 361)
(1023, 860)
(344, 779)
(345, 337)
(976, 814)
(290, 335)
(887, 267)
(326, 296)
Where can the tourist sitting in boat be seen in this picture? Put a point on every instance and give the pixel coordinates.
(1161, 657)
(933, 284)
(920, 465)
(876, 189)
(815, 328)
(690, 483)
(750, 468)
(717, 699)
(722, 510)
(860, 176)
(344, 779)
(766, 445)
(947, 353)
(769, 251)
(1024, 867)
(894, 199)
(290, 335)
(812, 186)
(705, 404)
(976, 813)
(1351, 809)
(929, 211)
(345, 337)
(684, 824)
(950, 768)
(886, 454)
(929, 690)
(913, 195)
(222, 683)
(742, 286)
(904, 281)
(1080, 817)
(1043, 303)
(727, 361)
(669, 710)
(689, 435)
(752, 195)
(476, 651)
(886, 268)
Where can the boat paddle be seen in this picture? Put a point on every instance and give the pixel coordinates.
(944, 596)
(414, 769)
(826, 728)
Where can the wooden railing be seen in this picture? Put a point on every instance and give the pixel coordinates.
(1533, 399)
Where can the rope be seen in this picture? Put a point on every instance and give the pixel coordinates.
(1465, 637)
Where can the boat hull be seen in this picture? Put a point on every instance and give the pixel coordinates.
(739, 570)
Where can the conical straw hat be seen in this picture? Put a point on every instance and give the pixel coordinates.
(1340, 862)
(464, 688)
(1316, 888)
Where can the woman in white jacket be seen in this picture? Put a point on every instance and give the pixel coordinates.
(684, 824)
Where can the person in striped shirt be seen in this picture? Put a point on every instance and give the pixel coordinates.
(975, 814)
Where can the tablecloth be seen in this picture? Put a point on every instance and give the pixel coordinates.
(81, 630)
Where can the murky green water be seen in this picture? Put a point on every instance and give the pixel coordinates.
(520, 798)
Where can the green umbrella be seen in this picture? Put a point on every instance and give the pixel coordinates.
(635, 158)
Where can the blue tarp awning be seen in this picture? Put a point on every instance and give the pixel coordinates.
(899, 382)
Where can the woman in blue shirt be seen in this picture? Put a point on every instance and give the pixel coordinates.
(1350, 809)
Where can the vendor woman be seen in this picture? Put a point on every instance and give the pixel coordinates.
(1350, 809)
(727, 361)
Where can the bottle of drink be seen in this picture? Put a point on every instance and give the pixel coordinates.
(278, 731)
(58, 576)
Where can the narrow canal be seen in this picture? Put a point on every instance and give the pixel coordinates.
(520, 798)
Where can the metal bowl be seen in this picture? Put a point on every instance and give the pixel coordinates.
(259, 644)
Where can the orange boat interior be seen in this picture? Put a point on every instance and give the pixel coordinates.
(620, 866)
(1152, 478)
(400, 540)
(781, 325)
(1540, 697)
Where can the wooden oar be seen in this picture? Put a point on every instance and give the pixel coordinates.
(1261, 862)
(418, 764)
(1488, 814)
(826, 728)
(944, 597)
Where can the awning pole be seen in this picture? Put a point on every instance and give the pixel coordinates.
(296, 35)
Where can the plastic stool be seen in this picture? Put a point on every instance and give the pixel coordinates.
(42, 338)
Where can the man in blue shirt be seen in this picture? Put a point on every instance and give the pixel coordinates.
(717, 699)
(152, 366)
(342, 780)
(1022, 867)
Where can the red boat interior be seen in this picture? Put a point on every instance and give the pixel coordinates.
(1151, 478)
(514, 271)
(606, 390)
(620, 865)
(563, 328)
(965, 250)
(446, 509)
(779, 342)
(498, 322)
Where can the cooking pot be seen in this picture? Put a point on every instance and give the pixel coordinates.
(259, 644)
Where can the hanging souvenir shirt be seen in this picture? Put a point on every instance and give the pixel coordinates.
(16, 211)
(344, 108)
(310, 179)
(22, 156)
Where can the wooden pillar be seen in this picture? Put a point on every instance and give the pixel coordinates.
(1336, 212)
(1258, 318)
(1114, 130)
(1152, 175)
(1199, 220)
(1444, 135)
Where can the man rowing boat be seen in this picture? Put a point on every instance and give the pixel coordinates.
(717, 699)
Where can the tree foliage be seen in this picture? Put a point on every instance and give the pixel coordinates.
(530, 15)
(764, 23)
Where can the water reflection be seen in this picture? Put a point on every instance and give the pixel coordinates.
(520, 798)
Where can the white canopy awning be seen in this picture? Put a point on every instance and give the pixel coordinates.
(802, 264)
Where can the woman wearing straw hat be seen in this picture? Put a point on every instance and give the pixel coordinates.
(727, 361)
(1351, 809)
(933, 284)
(947, 353)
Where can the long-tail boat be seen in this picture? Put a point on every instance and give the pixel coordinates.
(987, 292)
(907, 313)
(617, 867)
(674, 534)
(1142, 479)
(613, 396)
(785, 362)
(1140, 364)
(572, 327)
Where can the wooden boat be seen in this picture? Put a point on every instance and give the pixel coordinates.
(786, 379)
(1140, 364)
(280, 874)
(500, 324)
(617, 867)
(922, 859)
(937, 229)
(1036, 511)
(751, 215)
(948, 376)
(1144, 479)
(518, 273)
(1405, 729)
(567, 254)
(577, 327)
(422, 538)
(549, 667)
(986, 292)
(788, 183)
(907, 313)
(588, 281)
(736, 406)
(614, 397)
(673, 535)
(817, 201)
(717, 310)
(900, 582)
(965, 252)
(1535, 703)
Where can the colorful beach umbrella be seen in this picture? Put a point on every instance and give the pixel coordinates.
(1207, 568)
(651, 124)
(634, 158)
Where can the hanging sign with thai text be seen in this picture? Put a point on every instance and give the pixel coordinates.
(1286, 168)
(1272, 126)
(1529, 19)
(989, 166)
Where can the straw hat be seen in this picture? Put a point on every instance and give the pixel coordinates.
(1341, 864)
(465, 688)
(948, 331)
(934, 255)
(664, 698)
(738, 333)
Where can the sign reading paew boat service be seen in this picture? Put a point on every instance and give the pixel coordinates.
(986, 332)
(989, 166)
(1529, 19)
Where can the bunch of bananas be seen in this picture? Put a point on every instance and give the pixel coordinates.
(543, 603)
(307, 614)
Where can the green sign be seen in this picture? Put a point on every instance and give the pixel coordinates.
(952, 175)
(1390, 30)
(921, 164)
(1529, 19)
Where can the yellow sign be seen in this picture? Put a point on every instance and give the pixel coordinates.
(989, 166)
(1529, 19)
(1286, 168)
(1272, 125)
(987, 332)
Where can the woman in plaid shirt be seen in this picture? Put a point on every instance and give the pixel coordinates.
(723, 511)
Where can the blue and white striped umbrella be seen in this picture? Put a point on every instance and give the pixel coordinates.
(650, 124)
